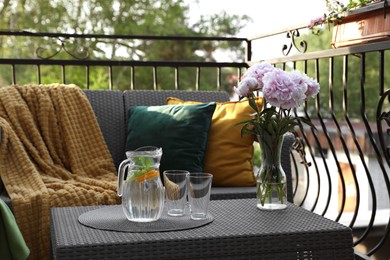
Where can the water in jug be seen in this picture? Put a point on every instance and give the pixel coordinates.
(140, 185)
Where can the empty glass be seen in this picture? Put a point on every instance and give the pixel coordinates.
(199, 186)
(175, 183)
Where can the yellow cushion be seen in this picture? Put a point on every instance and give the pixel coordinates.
(229, 156)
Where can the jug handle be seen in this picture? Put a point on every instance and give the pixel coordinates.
(121, 172)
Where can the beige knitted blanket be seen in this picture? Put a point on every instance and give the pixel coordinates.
(52, 154)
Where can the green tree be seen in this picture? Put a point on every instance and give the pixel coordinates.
(122, 17)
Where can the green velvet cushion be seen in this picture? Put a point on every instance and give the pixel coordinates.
(180, 130)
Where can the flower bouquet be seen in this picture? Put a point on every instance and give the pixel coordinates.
(282, 91)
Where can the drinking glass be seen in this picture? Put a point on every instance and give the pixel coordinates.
(175, 191)
(199, 186)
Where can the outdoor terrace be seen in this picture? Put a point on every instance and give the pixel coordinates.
(345, 174)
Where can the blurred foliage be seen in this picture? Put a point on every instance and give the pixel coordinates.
(355, 98)
(115, 17)
(256, 155)
(161, 18)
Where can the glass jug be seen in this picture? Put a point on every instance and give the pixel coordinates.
(142, 191)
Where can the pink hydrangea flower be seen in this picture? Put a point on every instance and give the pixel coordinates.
(258, 71)
(284, 90)
(246, 86)
(313, 87)
(280, 88)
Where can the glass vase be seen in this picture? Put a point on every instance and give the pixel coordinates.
(271, 191)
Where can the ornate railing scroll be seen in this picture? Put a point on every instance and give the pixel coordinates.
(295, 44)
(78, 51)
(292, 35)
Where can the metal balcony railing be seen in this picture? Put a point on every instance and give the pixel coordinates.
(345, 173)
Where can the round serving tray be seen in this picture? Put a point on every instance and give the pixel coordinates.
(113, 218)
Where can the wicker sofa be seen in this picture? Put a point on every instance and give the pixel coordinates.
(110, 108)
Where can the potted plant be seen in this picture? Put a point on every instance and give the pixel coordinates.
(355, 22)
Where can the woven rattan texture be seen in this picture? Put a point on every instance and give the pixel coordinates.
(112, 218)
(239, 231)
(109, 111)
(157, 98)
(222, 193)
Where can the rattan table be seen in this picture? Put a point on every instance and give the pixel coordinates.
(239, 231)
